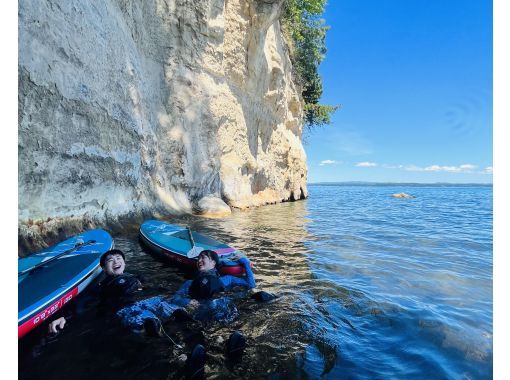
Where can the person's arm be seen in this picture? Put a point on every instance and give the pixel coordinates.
(248, 282)
(184, 289)
(76, 307)
(181, 297)
(61, 317)
(68, 312)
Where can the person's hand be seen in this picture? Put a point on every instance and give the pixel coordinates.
(57, 323)
(236, 257)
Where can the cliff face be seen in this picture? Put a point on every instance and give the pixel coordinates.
(127, 106)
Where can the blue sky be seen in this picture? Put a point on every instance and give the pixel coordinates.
(414, 81)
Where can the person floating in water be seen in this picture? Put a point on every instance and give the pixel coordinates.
(117, 283)
(196, 294)
(115, 287)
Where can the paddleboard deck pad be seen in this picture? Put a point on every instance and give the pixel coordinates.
(173, 243)
(49, 279)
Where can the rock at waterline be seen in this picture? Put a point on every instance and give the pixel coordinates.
(212, 207)
(402, 195)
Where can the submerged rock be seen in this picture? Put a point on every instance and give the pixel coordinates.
(402, 195)
(212, 207)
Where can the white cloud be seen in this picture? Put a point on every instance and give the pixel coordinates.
(328, 162)
(465, 168)
(386, 166)
(433, 168)
(468, 167)
(366, 164)
(413, 168)
(437, 168)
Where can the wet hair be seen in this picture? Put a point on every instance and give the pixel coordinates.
(102, 260)
(212, 255)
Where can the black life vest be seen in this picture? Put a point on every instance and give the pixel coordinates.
(205, 285)
(121, 285)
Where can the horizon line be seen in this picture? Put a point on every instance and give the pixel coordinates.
(401, 183)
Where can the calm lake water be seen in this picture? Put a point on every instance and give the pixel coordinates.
(370, 287)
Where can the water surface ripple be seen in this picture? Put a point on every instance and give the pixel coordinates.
(370, 287)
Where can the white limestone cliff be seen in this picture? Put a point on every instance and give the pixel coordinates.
(142, 106)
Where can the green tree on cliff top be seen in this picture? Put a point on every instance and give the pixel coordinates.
(306, 35)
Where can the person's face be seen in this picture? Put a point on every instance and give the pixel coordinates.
(114, 265)
(205, 263)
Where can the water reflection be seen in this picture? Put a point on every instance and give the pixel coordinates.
(278, 333)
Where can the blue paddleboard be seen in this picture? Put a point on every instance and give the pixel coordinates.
(49, 279)
(173, 242)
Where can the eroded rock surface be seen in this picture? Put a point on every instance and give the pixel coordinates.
(142, 106)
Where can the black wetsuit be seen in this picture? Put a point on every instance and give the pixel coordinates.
(119, 286)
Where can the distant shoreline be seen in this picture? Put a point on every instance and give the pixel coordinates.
(414, 184)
